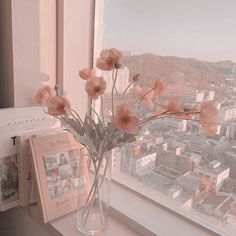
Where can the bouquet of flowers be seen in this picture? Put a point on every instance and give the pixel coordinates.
(99, 135)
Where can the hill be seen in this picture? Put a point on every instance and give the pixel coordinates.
(188, 71)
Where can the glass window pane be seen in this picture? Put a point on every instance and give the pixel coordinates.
(191, 46)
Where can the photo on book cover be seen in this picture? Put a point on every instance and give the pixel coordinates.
(62, 176)
(9, 188)
(62, 171)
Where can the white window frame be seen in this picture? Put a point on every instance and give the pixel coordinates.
(75, 47)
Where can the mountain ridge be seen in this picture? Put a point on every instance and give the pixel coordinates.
(172, 69)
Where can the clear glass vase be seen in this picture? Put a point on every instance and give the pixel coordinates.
(93, 216)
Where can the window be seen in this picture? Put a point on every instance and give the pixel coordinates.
(190, 44)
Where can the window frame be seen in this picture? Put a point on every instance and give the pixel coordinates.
(75, 23)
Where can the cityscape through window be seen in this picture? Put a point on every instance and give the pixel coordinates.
(191, 46)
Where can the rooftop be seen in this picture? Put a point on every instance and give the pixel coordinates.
(167, 171)
(215, 200)
(190, 180)
(144, 153)
(231, 153)
(226, 205)
(210, 169)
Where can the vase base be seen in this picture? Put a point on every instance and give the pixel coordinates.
(94, 224)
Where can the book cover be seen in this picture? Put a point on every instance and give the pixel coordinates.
(61, 174)
(9, 188)
(15, 121)
(25, 175)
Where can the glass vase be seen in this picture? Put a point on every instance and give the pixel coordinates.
(92, 217)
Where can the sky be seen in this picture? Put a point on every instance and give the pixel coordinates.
(201, 29)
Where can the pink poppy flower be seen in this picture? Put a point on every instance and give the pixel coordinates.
(147, 99)
(86, 74)
(125, 120)
(209, 118)
(95, 86)
(109, 59)
(44, 94)
(58, 106)
(158, 86)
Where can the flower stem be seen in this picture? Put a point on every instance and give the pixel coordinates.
(112, 92)
(140, 98)
(77, 116)
(88, 207)
(127, 87)
(102, 110)
(113, 81)
(94, 182)
(104, 174)
(100, 203)
(168, 114)
(94, 111)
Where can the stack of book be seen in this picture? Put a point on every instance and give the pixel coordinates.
(40, 162)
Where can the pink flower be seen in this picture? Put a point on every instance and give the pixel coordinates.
(109, 59)
(86, 73)
(209, 118)
(147, 99)
(125, 120)
(43, 94)
(95, 86)
(158, 86)
(58, 106)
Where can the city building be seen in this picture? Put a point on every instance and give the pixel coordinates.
(229, 186)
(148, 140)
(180, 162)
(213, 171)
(174, 191)
(232, 131)
(178, 125)
(218, 206)
(190, 183)
(228, 113)
(197, 143)
(122, 77)
(168, 172)
(193, 127)
(230, 216)
(196, 159)
(230, 160)
(191, 97)
(196, 96)
(137, 161)
(210, 96)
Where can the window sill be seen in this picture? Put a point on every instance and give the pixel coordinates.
(151, 218)
(131, 215)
